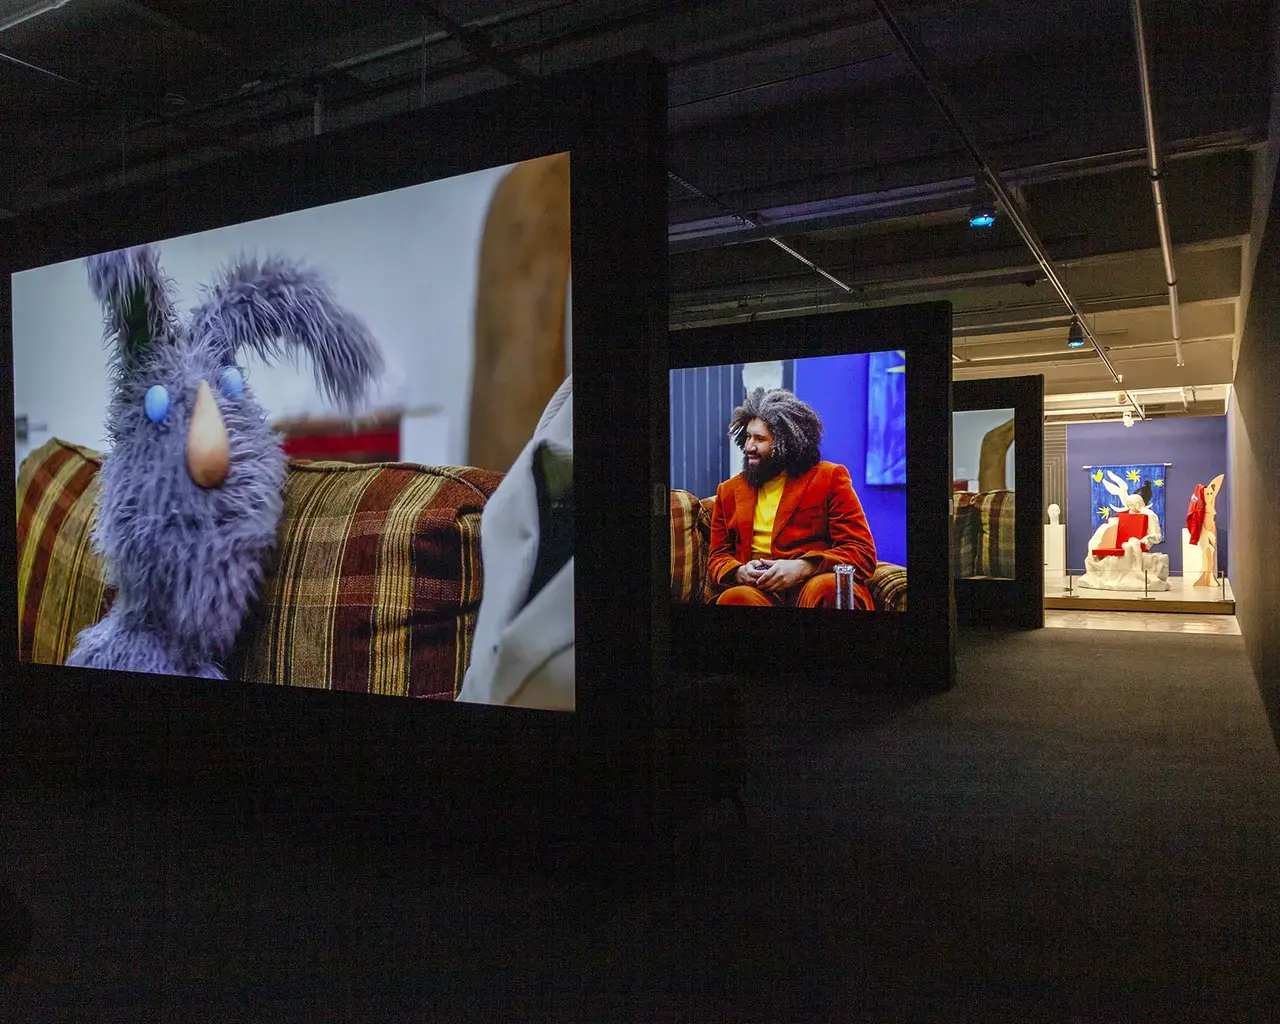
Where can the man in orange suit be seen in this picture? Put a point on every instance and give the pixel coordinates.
(788, 519)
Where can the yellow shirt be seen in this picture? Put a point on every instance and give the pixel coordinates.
(767, 498)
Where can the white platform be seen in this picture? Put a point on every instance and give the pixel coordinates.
(1191, 556)
(1055, 550)
(1060, 592)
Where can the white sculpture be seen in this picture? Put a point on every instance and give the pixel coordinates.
(1054, 512)
(1133, 568)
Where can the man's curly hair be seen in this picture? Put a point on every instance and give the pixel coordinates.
(796, 427)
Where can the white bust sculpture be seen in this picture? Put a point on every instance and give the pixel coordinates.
(1054, 512)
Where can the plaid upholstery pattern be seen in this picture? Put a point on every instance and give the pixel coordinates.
(374, 588)
(376, 583)
(61, 583)
(888, 587)
(966, 536)
(996, 514)
(690, 545)
(688, 552)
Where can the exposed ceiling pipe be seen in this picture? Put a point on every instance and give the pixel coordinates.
(993, 182)
(1157, 189)
(752, 223)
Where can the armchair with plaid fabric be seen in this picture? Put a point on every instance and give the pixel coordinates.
(691, 543)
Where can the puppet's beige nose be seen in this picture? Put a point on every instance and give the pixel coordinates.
(208, 448)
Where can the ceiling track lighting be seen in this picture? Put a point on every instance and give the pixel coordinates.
(1075, 336)
(982, 215)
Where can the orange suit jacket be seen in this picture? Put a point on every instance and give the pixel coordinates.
(819, 517)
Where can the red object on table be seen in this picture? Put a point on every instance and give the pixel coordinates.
(362, 446)
(1128, 526)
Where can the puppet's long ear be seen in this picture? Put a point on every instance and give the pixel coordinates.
(135, 297)
(276, 305)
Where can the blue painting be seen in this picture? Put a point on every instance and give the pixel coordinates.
(887, 419)
(1147, 480)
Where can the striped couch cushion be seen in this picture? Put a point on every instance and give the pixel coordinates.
(688, 553)
(888, 587)
(966, 536)
(374, 587)
(61, 585)
(996, 515)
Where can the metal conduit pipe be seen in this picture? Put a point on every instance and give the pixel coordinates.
(993, 181)
(751, 222)
(1153, 168)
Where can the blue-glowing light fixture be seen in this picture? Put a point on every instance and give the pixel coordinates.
(982, 216)
(1075, 336)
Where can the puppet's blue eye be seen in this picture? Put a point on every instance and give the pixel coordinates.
(232, 381)
(156, 403)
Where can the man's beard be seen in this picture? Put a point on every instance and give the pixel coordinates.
(760, 473)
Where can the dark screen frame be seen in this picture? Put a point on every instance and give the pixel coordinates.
(915, 647)
(1019, 602)
(337, 749)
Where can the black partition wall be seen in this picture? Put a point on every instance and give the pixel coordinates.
(311, 744)
(987, 593)
(873, 503)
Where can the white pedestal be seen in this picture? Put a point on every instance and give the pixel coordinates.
(1055, 549)
(1191, 564)
(1193, 559)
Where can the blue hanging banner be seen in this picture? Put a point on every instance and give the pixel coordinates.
(1145, 479)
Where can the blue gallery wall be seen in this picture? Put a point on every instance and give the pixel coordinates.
(703, 399)
(836, 387)
(1196, 447)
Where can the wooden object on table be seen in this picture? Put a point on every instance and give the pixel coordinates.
(520, 309)
(992, 457)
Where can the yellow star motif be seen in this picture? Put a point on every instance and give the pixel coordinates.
(1158, 483)
(1133, 475)
(1098, 476)
(903, 367)
(1104, 512)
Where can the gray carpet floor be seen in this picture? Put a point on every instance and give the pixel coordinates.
(1086, 828)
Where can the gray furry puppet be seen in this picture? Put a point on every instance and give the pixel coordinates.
(193, 478)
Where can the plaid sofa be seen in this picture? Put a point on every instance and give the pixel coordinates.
(375, 587)
(691, 544)
(982, 535)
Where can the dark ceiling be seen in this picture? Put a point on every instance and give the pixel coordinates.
(800, 121)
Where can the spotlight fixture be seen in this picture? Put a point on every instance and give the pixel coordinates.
(982, 215)
(1075, 336)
